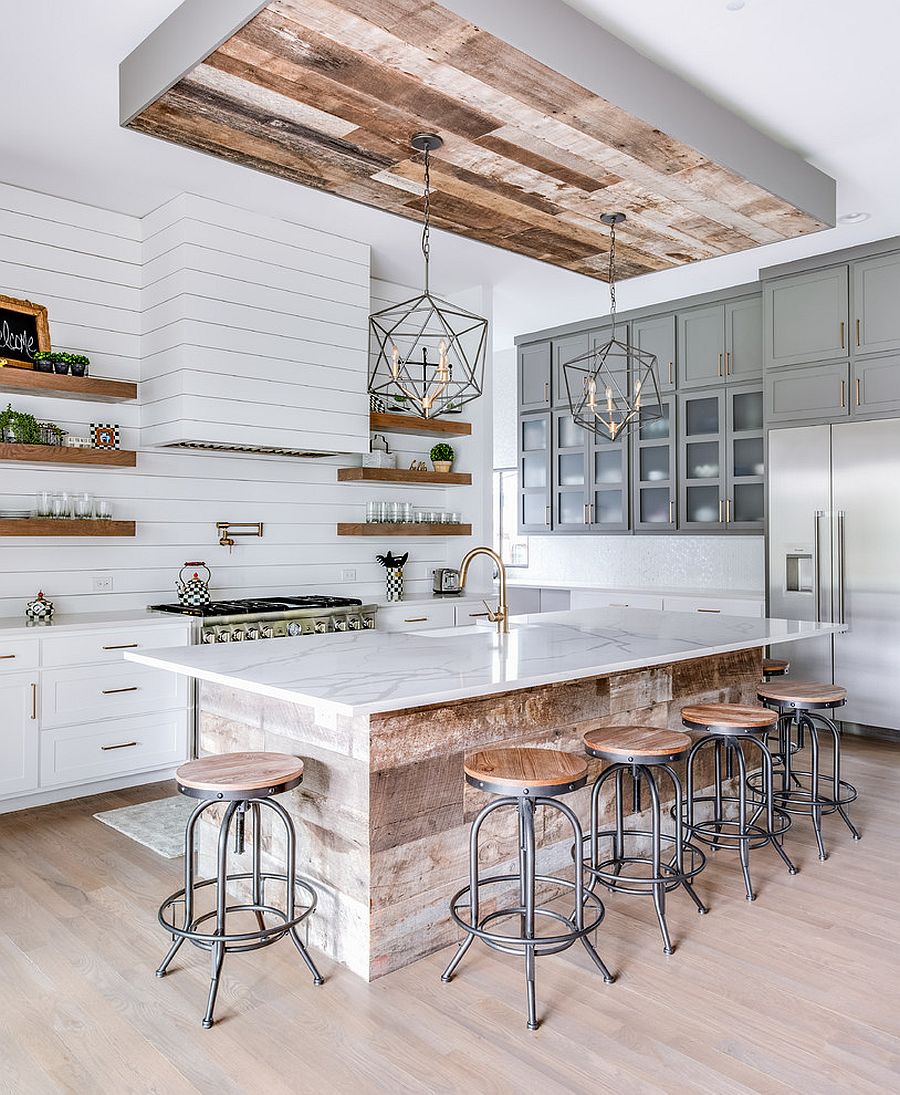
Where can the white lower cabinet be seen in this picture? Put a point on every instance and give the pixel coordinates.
(416, 616)
(597, 598)
(18, 733)
(92, 692)
(726, 607)
(78, 754)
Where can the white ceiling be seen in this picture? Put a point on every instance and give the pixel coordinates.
(819, 75)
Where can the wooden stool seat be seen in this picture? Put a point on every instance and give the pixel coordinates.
(637, 744)
(239, 775)
(775, 667)
(805, 694)
(525, 771)
(727, 718)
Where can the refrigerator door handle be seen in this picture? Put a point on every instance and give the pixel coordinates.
(841, 590)
(817, 564)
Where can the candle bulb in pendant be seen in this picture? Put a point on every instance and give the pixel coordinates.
(637, 396)
(592, 393)
(609, 400)
(395, 362)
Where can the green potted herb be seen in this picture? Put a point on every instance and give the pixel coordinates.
(442, 456)
(19, 428)
(61, 363)
(79, 364)
(43, 361)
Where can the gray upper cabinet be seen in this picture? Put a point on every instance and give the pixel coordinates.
(570, 475)
(701, 346)
(656, 335)
(808, 394)
(534, 377)
(565, 350)
(876, 385)
(806, 317)
(702, 460)
(743, 340)
(608, 502)
(876, 304)
(745, 506)
(534, 472)
(654, 468)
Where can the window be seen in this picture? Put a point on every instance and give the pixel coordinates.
(510, 546)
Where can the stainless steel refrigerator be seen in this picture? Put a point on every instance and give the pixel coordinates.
(834, 555)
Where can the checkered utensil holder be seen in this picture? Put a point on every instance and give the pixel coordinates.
(394, 584)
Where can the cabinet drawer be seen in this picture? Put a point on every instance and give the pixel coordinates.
(78, 754)
(810, 392)
(414, 617)
(108, 646)
(107, 691)
(18, 654)
(465, 615)
(714, 606)
(598, 598)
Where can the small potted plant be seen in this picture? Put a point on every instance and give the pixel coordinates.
(43, 361)
(19, 428)
(442, 456)
(62, 363)
(79, 364)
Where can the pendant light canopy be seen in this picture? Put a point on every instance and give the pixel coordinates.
(613, 387)
(427, 355)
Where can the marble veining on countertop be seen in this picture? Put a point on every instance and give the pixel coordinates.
(362, 673)
(21, 626)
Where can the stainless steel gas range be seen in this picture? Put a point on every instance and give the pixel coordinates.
(275, 617)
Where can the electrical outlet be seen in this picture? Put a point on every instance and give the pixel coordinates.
(102, 583)
(348, 574)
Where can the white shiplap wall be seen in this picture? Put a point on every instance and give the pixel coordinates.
(85, 264)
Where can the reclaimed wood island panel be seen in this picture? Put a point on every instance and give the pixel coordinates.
(383, 812)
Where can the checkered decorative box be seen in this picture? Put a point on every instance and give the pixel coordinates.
(104, 436)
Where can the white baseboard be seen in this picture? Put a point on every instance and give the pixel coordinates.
(62, 794)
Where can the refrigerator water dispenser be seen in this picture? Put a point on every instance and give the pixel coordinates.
(799, 572)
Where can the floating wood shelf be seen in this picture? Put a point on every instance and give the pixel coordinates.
(387, 422)
(61, 454)
(404, 475)
(391, 529)
(63, 526)
(91, 388)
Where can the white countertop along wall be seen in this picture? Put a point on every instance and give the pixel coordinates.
(367, 672)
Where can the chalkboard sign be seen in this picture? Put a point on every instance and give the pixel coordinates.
(24, 330)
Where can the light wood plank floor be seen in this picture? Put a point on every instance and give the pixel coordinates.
(798, 992)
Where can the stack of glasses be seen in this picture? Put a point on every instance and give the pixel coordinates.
(80, 505)
(403, 513)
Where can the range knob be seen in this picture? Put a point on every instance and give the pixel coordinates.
(266, 632)
(208, 637)
(237, 634)
(223, 636)
(321, 627)
(368, 623)
(294, 628)
(356, 623)
(251, 632)
(340, 623)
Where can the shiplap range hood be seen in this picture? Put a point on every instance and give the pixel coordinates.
(254, 333)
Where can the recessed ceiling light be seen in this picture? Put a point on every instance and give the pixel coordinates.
(854, 218)
(735, 5)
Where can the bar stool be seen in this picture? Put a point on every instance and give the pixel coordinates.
(772, 668)
(639, 750)
(775, 667)
(729, 728)
(247, 782)
(802, 707)
(526, 779)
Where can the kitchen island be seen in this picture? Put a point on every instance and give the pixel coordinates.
(383, 721)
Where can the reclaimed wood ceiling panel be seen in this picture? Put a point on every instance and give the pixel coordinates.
(329, 94)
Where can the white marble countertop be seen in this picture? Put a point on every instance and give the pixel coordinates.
(20, 626)
(368, 672)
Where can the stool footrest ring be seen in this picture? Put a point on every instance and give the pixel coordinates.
(605, 873)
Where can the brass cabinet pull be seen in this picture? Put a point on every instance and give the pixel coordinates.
(671, 511)
(843, 395)
(475, 615)
(121, 745)
(617, 604)
(721, 507)
(6, 657)
(842, 334)
(720, 364)
(33, 700)
(857, 332)
(546, 391)
(547, 517)
(116, 691)
(416, 620)
(122, 646)
(585, 514)
(671, 381)
(858, 399)
(709, 609)
(727, 511)
(727, 362)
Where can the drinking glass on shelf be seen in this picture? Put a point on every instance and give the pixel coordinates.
(43, 503)
(371, 512)
(421, 516)
(83, 505)
(455, 518)
(406, 512)
(394, 511)
(102, 509)
(60, 505)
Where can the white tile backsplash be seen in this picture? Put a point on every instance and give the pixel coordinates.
(654, 562)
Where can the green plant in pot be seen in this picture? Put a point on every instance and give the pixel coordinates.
(62, 363)
(442, 456)
(19, 428)
(43, 361)
(79, 364)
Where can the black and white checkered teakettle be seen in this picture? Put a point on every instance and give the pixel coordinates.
(194, 591)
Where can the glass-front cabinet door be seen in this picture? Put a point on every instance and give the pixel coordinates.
(653, 468)
(702, 458)
(570, 474)
(745, 499)
(608, 509)
(534, 473)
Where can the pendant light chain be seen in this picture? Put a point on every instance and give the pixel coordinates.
(612, 277)
(426, 227)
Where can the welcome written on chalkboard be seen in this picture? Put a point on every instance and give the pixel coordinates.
(23, 331)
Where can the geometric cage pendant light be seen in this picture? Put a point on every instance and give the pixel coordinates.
(427, 355)
(613, 387)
